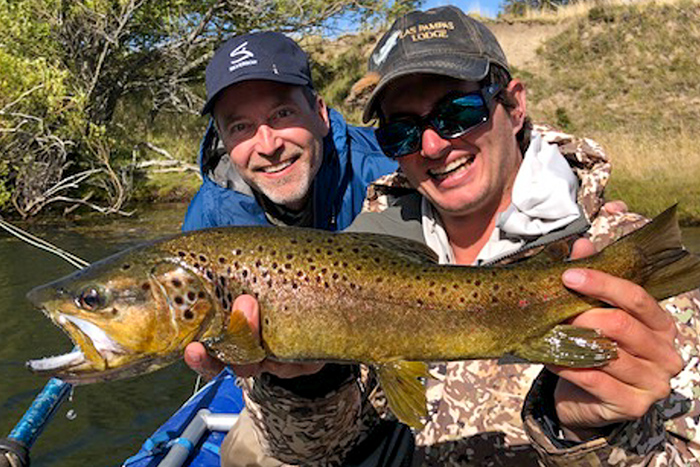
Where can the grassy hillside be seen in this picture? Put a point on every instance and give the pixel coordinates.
(626, 76)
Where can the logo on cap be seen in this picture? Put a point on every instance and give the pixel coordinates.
(240, 57)
(382, 53)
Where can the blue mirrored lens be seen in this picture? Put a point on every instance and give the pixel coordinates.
(399, 138)
(451, 119)
(456, 117)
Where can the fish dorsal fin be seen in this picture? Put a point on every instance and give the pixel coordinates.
(404, 390)
(539, 255)
(551, 253)
(411, 250)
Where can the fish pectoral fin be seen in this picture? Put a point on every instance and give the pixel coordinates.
(405, 393)
(571, 346)
(238, 344)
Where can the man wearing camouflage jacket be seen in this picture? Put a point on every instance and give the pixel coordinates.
(475, 406)
(475, 416)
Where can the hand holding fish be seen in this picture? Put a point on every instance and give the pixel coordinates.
(200, 361)
(591, 399)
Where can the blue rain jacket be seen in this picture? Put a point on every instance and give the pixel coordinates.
(351, 160)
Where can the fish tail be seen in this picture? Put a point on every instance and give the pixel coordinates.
(670, 268)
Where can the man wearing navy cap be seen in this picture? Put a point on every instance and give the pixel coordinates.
(275, 154)
(291, 160)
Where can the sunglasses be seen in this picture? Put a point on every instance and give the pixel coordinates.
(453, 116)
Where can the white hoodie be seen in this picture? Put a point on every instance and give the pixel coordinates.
(543, 200)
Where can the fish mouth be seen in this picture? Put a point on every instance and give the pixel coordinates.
(94, 350)
(74, 371)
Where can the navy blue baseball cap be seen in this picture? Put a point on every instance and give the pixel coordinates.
(268, 56)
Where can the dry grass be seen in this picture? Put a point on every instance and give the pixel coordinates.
(626, 75)
(652, 173)
(582, 8)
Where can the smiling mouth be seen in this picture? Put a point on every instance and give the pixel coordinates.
(456, 166)
(273, 169)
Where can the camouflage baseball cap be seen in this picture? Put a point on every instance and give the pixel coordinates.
(442, 41)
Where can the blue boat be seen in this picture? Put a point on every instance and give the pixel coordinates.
(193, 435)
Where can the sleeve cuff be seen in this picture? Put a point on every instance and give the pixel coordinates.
(329, 378)
(635, 441)
(545, 415)
(301, 429)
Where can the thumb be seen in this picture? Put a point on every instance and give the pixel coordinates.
(582, 248)
(251, 309)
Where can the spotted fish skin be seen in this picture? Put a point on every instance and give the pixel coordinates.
(342, 297)
(357, 297)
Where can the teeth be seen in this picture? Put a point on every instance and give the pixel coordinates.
(279, 167)
(462, 162)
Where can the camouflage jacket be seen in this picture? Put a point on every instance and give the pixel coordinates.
(482, 413)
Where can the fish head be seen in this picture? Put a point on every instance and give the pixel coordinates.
(129, 314)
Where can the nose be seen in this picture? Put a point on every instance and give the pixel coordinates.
(433, 145)
(267, 141)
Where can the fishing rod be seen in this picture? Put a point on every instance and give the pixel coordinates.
(43, 244)
(14, 450)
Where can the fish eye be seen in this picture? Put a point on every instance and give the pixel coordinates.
(91, 298)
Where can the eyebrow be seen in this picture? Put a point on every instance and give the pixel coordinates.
(280, 101)
(229, 117)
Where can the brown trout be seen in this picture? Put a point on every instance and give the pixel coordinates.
(349, 297)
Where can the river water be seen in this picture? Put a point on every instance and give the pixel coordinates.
(112, 419)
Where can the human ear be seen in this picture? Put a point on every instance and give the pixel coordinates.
(516, 93)
(322, 111)
(217, 127)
